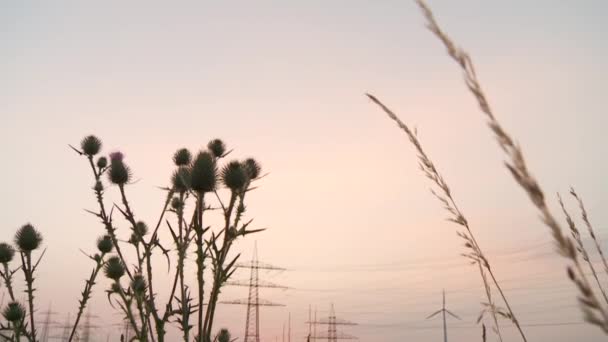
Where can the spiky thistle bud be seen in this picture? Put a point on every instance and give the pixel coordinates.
(28, 238)
(181, 179)
(114, 268)
(115, 288)
(14, 312)
(253, 168)
(177, 203)
(217, 148)
(204, 173)
(119, 173)
(141, 228)
(182, 157)
(223, 335)
(138, 284)
(102, 162)
(7, 252)
(234, 175)
(90, 145)
(232, 232)
(104, 244)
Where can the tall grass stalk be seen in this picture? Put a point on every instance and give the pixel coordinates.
(446, 198)
(580, 246)
(590, 229)
(593, 310)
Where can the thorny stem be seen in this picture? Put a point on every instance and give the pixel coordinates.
(221, 259)
(147, 257)
(86, 294)
(17, 331)
(182, 245)
(131, 218)
(8, 280)
(107, 222)
(200, 260)
(26, 260)
(129, 312)
(142, 315)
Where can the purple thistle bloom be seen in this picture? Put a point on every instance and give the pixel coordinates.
(116, 156)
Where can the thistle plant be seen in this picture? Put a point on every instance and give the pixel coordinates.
(28, 239)
(14, 314)
(195, 189)
(223, 336)
(104, 246)
(7, 253)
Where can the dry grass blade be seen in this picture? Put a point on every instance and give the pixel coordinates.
(445, 197)
(585, 218)
(593, 311)
(580, 247)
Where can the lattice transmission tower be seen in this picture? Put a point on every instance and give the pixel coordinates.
(253, 302)
(48, 323)
(332, 334)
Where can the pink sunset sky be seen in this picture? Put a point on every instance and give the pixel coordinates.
(348, 212)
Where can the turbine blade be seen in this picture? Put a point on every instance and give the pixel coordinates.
(453, 315)
(434, 314)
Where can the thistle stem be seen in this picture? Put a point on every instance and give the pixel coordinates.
(86, 295)
(200, 261)
(8, 280)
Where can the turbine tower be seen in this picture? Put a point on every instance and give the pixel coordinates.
(443, 311)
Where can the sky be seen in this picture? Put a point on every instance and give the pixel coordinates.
(348, 212)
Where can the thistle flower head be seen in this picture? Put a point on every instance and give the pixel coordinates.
(28, 238)
(119, 173)
(234, 175)
(223, 335)
(138, 284)
(117, 156)
(90, 145)
(217, 148)
(141, 228)
(7, 252)
(203, 173)
(104, 244)
(182, 157)
(102, 162)
(114, 268)
(14, 312)
(181, 179)
(253, 168)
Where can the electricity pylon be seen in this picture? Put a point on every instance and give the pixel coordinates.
(332, 322)
(46, 325)
(87, 326)
(443, 311)
(253, 302)
(288, 329)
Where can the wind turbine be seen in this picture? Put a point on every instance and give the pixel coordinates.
(443, 311)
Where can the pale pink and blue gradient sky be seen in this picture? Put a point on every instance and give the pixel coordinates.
(349, 213)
